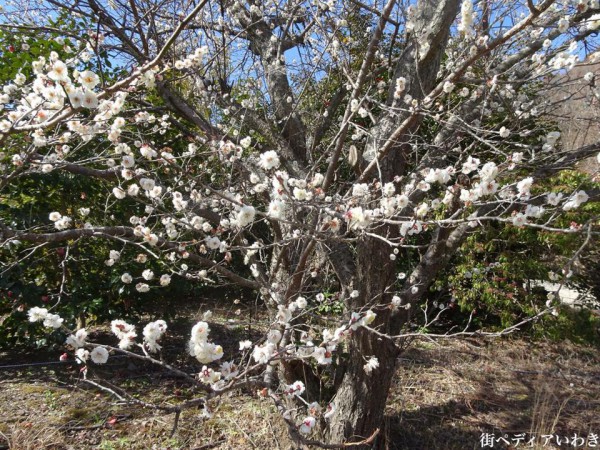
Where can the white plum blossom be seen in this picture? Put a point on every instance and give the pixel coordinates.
(59, 71)
(263, 353)
(63, 223)
(124, 332)
(519, 220)
(301, 303)
(307, 425)
(147, 184)
(148, 153)
(165, 279)
(82, 355)
(360, 190)
(37, 314)
(274, 336)
(563, 24)
(128, 161)
(489, 171)
(89, 79)
(208, 375)
(372, 364)
(402, 201)
(269, 160)
(89, 99)
(358, 218)
(142, 287)
(302, 194)
(99, 355)
(199, 346)
(329, 412)
(245, 143)
(448, 87)
(368, 318)
(524, 187)
(153, 332)
(77, 340)
(229, 370)
(295, 389)
(322, 355)
(53, 321)
(534, 211)
(284, 315)
(400, 87)
(470, 165)
(254, 194)
(200, 331)
(119, 193)
(246, 215)
(148, 275)
(576, 200)
(422, 210)
(245, 345)
(466, 20)
(554, 198)
(20, 79)
(389, 189)
(277, 209)
(411, 228)
(213, 242)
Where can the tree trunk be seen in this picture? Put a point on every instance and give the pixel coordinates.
(361, 398)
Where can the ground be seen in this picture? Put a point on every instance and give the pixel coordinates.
(446, 395)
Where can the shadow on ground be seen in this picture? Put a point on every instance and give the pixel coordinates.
(448, 397)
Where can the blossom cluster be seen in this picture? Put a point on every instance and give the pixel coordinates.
(199, 346)
(37, 314)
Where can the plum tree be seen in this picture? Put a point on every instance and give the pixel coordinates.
(331, 156)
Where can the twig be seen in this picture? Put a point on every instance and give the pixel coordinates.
(532, 8)
(209, 445)
(121, 418)
(175, 423)
(366, 441)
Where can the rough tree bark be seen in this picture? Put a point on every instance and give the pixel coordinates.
(361, 398)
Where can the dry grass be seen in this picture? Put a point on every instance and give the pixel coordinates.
(42, 417)
(444, 397)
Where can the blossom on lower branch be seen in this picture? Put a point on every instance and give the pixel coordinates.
(294, 389)
(152, 333)
(77, 340)
(357, 320)
(82, 355)
(372, 364)
(263, 353)
(199, 347)
(125, 332)
(208, 375)
(307, 425)
(99, 355)
(50, 320)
